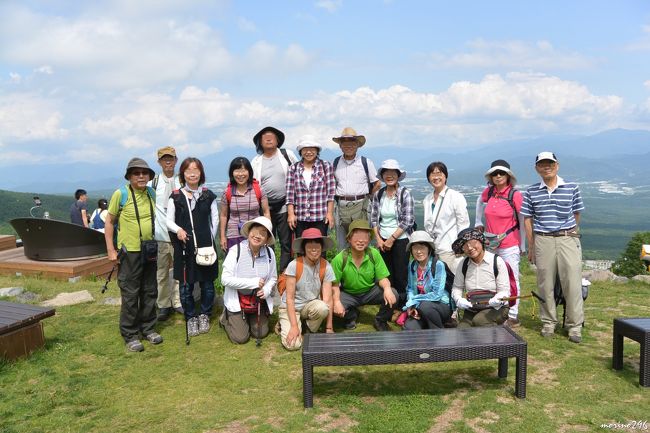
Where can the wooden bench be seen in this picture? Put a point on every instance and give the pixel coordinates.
(376, 348)
(637, 329)
(21, 330)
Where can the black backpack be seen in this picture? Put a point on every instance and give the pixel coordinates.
(364, 162)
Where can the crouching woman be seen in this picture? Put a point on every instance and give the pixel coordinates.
(475, 278)
(248, 276)
(428, 305)
(308, 294)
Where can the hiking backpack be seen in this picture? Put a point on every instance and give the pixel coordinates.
(97, 222)
(249, 303)
(510, 201)
(380, 193)
(282, 279)
(230, 191)
(364, 162)
(511, 277)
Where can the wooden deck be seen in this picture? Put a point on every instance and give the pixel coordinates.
(21, 330)
(7, 242)
(14, 262)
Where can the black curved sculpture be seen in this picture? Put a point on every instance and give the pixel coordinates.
(46, 239)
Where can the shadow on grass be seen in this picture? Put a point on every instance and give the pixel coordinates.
(399, 380)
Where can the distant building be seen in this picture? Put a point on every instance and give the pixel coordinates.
(598, 264)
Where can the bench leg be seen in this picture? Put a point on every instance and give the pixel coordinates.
(503, 367)
(307, 384)
(644, 368)
(617, 350)
(520, 376)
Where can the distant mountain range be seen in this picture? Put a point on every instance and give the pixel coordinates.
(615, 155)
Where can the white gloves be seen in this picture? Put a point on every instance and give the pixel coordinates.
(495, 303)
(464, 304)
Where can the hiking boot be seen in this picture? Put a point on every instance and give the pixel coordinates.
(548, 331)
(512, 322)
(179, 310)
(154, 338)
(193, 327)
(204, 324)
(575, 338)
(381, 326)
(350, 325)
(134, 346)
(164, 313)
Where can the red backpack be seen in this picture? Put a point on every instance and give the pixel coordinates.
(230, 191)
(282, 279)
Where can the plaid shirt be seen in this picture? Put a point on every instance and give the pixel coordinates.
(310, 204)
(405, 215)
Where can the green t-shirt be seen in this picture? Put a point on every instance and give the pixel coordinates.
(128, 231)
(357, 281)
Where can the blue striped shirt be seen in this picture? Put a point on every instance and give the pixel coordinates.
(552, 210)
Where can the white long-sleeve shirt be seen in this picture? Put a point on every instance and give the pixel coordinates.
(451, 212)
(481, 277)
(171, 212)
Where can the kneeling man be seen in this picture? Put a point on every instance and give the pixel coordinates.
(361, 279)
(475, 276)
(308, 294)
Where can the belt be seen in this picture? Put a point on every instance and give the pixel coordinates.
(560, 233)
(350, 197)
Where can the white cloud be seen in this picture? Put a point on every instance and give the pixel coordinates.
(25, 116)
(515, 55)
(14, 77)
(246, 25)
(643, 43)
(135, 143)
(329, 5)
(45, 69)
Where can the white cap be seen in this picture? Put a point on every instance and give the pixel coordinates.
(308, 141)
(545, 155)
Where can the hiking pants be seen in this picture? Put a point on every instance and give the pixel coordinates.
(512, 256)
(397, 261)
(168, 292)
(283, 235)
(374, 296)
(561, 256)
(137, 283)
(432, 315)
(487, 317)
(241, 326)
(313, 313)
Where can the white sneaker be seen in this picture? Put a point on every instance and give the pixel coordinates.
(193, 327)
(204, 323)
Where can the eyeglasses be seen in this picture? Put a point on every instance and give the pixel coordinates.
(498, 173)
(139, 172)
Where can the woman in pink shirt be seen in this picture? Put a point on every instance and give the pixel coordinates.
(500, 203)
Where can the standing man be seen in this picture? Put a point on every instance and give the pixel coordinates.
(163, 184)
(270, 168)
(79, 209)
(132, 205)
(552, 210)
(356, 181)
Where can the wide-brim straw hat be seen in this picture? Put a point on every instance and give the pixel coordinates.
(421, 237)
(311, 234)
(358, 225)
(138, 163)
(500, 164)
(308, 141)
(350, 133)
(391, 164)
(264, 222)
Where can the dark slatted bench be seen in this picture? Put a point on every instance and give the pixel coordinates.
(637, 329)
(21, 330)
(375, 348)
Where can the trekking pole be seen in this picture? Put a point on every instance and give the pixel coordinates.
(187, 332)
(258, 340)
(120, 253)
(512, 298)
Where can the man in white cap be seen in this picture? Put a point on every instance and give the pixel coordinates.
(164, 183)
(552, 211)
(270, 168)
(356, 181)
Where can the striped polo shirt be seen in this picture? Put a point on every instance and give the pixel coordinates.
(552, 210)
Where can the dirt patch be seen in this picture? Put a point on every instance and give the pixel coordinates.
(572, 428)
(503, 400)
(557, 411)
(476, 424)
(454, 413)
(270, 351)
(331, 421)
(544, 369)
(236, 426)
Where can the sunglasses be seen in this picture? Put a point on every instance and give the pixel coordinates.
(498, 173)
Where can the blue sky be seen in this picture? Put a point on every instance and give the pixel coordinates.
(114, 79)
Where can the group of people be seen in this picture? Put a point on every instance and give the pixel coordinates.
(79, 211)
(419, 278)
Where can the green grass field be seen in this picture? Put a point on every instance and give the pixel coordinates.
(84, 381)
